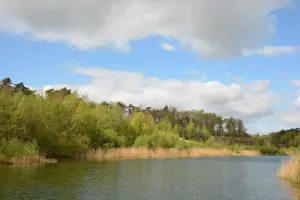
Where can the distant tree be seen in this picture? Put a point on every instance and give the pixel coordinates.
(6, 81)
(20, 87)
(205, 133)
(241, 130)
(58, 94)
(230, 127)
(190, 129)
(121, 105)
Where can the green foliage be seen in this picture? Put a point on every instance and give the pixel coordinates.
(190, 129)
(176, 130)
(205, 133)
(144, 141)
(161, 139)
(165, 125)
(15, 148)
(63, 124)
(265, 150)
(185, 144)
(143, 123)
(165, 139)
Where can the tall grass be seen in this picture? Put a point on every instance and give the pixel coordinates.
(146, 153)
(290, 170)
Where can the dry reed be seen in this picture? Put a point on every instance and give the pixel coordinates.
(27, 160)
(290, 170)
(159, 153)
(249, 153)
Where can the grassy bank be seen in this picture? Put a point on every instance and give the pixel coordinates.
(290, 170)
(160, 153)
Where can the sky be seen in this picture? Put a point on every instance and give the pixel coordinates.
(236, 58)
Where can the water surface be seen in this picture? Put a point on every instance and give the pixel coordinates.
(240, 178)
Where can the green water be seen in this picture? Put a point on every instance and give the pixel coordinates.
(240, 178)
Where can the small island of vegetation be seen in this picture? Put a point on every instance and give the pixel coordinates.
(61, 123)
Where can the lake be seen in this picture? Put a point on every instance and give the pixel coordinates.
(218, 178)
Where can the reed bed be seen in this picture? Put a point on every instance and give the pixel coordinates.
(290, 170)
(249, 153)
(27, 160)
(159, 153)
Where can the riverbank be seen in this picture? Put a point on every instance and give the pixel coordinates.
(290, 170)
(161, 153)
(26, 160)
(137, 153)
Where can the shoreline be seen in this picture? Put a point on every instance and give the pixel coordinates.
(290, 170)
(160, 153)
(27, 160)
(132, 153)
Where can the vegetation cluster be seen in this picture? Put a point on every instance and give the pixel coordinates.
(62, 123)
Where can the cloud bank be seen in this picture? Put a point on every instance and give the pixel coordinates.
(212, 28)
(247, 101)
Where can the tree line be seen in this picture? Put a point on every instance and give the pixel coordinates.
(65, 123)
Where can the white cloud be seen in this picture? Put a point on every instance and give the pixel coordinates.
(167, 46)
(297, 103)
(213, 28)
(249, 101)
(291, 118)
(295, 82)
(272, 50)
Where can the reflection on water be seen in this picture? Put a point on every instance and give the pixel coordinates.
(203, 178)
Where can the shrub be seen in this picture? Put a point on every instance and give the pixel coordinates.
(144, 141)
(265, 150)
(15, 148)
(165, 139)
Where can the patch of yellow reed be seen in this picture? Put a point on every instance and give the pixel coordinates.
(249, 153)
(27, 160)
(290, 169)
(145, 153)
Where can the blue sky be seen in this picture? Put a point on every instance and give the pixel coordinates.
(152, 56)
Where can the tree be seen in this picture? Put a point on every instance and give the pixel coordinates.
(205, 133)
(176, 130)
(165, 125)
(20, 87)
(58, 94)
(241, 130)
(143, 123)
(121, 105)
(6, 82)
(219, 126)
(190, 129)
(230, 127)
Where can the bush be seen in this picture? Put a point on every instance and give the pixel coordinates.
(184, 144)
(15, 148)
(144, 141)
(165, 139)
(181, 144)
(264, 150)
(161, 139)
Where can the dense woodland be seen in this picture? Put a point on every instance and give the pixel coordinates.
(62, 123)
